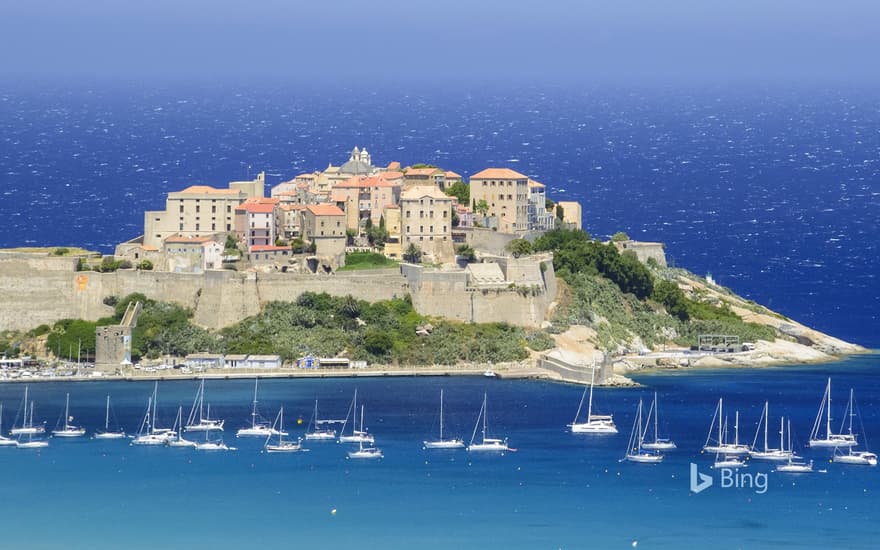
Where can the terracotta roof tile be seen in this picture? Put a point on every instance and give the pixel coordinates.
(206, 189)
(325, 210)
(498, 174)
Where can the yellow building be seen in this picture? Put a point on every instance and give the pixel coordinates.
(324, 225)
(571, 213)
(196, 211)
(426, 219)
(506, 192)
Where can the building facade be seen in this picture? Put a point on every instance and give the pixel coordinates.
(426, 221)
(196, 211)
(506, 193)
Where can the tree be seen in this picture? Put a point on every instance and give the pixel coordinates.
(482, 207)
(145, 265)
(548, 204)
(378, 342)
(619, 237)
(413, 254)
(461, 191)
(519, 247)
(467, 252)
(560, 213)
(298, 246)
(350, 234)
(673, 299)
(231, 244)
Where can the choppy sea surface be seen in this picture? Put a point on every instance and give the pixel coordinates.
(558, 490)
(775, 193)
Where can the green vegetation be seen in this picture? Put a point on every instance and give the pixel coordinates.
(421, 165)
(540, 341)
(461, 191)
(519, 247)
(623, 299)
(145, 265)
(467, 252)
(380, 332)
(377, 236)
(366, 260)
(412, 254)
(70, 337)
(618, 237)
(481, 207)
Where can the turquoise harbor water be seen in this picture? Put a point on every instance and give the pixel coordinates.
(557, 491)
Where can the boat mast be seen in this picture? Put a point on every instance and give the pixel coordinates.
(66, 411)
(441, 414)
(639, 442)
(720, 416)
(254, 410)
(107, 416)
(736, 429)
(656, 421)
(155, 399)
(828, 415)
(590, 404)
(485, 415)
(766, 422)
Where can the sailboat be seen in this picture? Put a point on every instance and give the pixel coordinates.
(365, 452)
(198, 421)
(27, 426)
(767, 453)
(107, 433)
(4, 441)
(600, 424)
(281, 446)
(148, 433)
(830, 439)
(795, 464)
(863, 458)
(316, 433)
(486, 444)
(30, 443)
(720, 446)
(179, 441)
(441, 443)
(69, 430)
(358, 435)
(658, 443)
(257, 428)
(635, 449)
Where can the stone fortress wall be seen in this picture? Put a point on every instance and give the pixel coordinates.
(37, 289)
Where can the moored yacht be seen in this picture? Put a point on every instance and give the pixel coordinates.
(316, 433)
(486, 444)
(597, 424)
(258, 427)
(829, 439)
(68, 430)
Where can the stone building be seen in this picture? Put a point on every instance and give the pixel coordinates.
(506, 192)
(426, 220)
(196, 211)
(324, 225)
(192, 254)
(255, 221)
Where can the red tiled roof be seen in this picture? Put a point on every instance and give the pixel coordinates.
(420, 171)
(419, 191)
(533, 183)
(267, 248)
(392, 175)
(498, 174)
(255, 208)
(325, 210)
(361, 182)
(450, 175)
(394, 165)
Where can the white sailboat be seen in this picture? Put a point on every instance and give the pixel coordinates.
(26, 439)
(599, 424)
(719, 445)
(107, 433)
(861, 458)
(486, 443)
(148, 433)
(358, 435)
(179, 441)
(767, 453)
(258, 428)
(4, 441)
(658, 443)
(365, 452)
(454, 443)
(319, 434)
(795, 464)
(634, 449)
(68, 430)
(27, 427)
(728, 461)
(198, 421)
(829, 439)
(281, 446)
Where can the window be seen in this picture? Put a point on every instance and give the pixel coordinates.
(431, 229)
(181, 227)
(213, 227)
(407, 229)
(421, 229)
(228, 208)
(214, 209)
(228, 227)
(444, 229)
(197, 209)
(407, 214)
(181, 209)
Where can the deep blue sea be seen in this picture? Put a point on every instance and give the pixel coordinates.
(775, 192)
(558, 490)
